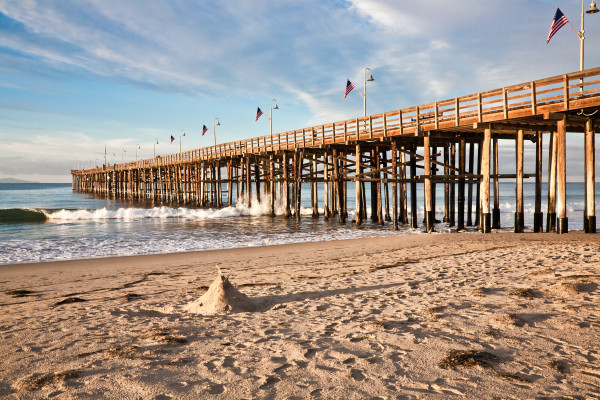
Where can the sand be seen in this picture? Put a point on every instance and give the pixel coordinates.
(496, 316)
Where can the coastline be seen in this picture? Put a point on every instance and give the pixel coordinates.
(354, 318)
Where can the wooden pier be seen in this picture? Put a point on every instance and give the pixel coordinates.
(392, 152)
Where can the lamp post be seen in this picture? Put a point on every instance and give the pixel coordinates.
(271, 118)
(592, 10)
(180, 140)
(123, 156)
(136, 149)
(155, 143)
(216, 123)
(364, 94)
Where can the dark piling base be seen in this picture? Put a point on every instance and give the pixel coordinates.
(519, 222)
(538, 222)
(496, 218)
(486, 222)
(429, 220)
(591, 224)
(551, 222)
(563, 225)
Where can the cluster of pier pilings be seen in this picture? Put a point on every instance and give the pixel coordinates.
(450, 145)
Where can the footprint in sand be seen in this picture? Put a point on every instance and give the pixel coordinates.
(310, 353)
(210, 365)
(281, 369)
(216, 388)
(357, 374)
(269, 382)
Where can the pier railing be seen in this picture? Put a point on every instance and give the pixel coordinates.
(540, 97)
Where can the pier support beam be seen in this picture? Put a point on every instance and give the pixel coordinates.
(286, 186)
(413, 187)
(339, 191)
(357, 172)
(402, 196)
(326, 179)
(394, 187)
(446, 184)
(298, 161)
(478, 191)
(470, 184)
(589, 221)
(519, 210)
(496, 209)
(485, 182)
(561, 177)
(551, 217)
(452, 191)
(460, 224)
(374, 178)
(272, 185)
(386, 194)
(429, 215)
(538, 215)
(378, 187)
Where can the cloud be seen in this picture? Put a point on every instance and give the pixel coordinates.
(219, 53)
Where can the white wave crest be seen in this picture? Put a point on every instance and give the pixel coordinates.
(135, 213)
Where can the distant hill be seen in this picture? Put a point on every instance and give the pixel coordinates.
(13, 180)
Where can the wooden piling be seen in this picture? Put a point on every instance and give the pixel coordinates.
(561, 177)
(590, 178)
(413, 187)
(486, 226)
(357, 173)
(551, 215)
(394, 187)
(538, 215)
(519, 210)
(429, 216)
(460, 223)
(496, 209)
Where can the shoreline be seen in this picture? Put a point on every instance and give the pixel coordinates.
(354, 318)
(184, 254)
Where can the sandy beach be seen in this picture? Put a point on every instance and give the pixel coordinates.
(497, 316)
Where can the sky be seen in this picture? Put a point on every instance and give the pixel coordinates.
(77, 76)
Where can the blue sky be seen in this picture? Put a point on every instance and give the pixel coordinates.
(77, 75)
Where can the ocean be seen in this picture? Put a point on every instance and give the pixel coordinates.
(42, 222)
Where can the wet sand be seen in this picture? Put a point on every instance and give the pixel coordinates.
(511, 316)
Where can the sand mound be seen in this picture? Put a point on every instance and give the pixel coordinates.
(220, 297)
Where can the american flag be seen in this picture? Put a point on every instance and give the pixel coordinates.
(258, 113)
(558, 22)
(349, 87)
(172, 138)
(204, 129)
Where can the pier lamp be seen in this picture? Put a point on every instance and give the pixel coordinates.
(271, 118)
(216, 123)
(154, 144)
(364, 94)
(592, 10)
(136, 149)
(123, 155)
(180, 136)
